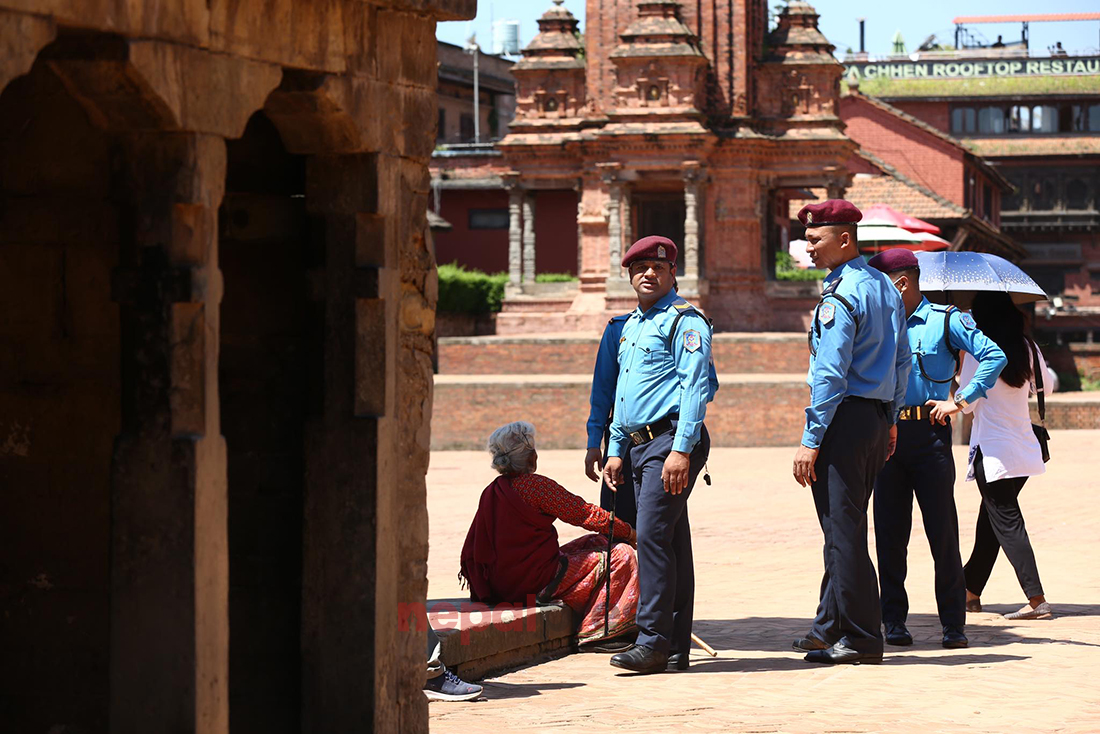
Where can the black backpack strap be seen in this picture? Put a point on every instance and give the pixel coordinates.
(1037, 369)
(682, 308)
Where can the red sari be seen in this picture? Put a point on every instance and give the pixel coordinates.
(512, 548)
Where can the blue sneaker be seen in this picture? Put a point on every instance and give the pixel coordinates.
(449, 687)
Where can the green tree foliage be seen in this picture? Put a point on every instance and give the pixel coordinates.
(786, 269)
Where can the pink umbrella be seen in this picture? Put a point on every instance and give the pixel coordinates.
(896, 218)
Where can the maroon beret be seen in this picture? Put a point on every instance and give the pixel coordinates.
(894, 259)
(831, 211)
(653, 247)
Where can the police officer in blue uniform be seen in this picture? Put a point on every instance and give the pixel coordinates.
(922, 464)
(604, 377)
(660, 402)
(859, 366)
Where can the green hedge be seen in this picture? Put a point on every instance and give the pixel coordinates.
(786, 269)
(555, 278)
(470, 291)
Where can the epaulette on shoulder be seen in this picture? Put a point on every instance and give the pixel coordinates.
(944, 308)
(620, 317)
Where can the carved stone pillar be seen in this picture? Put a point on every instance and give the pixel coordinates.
(528, 237)
(837, 183)
(625, 218)
(515, 231)
(610, 175)
(692, 183)
(169, 616)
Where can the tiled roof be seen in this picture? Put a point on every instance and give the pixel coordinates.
(888, 88)
(1004, 147)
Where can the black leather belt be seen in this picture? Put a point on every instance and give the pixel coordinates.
(647, 433)
(915, 413)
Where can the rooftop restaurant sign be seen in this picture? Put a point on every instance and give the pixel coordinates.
(958, 68)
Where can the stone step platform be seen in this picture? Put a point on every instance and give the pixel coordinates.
(478, 641)
(749, 409)
(752, 353)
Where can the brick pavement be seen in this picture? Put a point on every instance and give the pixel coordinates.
(758, 564)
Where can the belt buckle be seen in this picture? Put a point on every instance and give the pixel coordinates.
(637, 438)
(905, 414)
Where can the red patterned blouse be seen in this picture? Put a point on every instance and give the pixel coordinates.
(549, 497)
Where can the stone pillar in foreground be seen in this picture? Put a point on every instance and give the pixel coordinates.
(169, 552)
(610, 175)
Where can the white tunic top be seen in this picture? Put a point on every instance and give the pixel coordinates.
(1002, 428)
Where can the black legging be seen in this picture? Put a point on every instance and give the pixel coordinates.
(1000, 525)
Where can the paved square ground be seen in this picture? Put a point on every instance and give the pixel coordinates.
(758, 565)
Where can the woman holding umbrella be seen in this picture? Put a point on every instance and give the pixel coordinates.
(1004, 452)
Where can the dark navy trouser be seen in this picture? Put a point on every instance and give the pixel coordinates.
(852, 453)
(626, 507)
(921, 466)
(666, 572)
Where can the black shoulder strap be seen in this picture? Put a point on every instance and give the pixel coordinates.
(947, 331)
(683, 307)
(1037, 369)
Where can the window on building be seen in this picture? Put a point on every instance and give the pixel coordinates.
(466, 128)
(441, 131)
(1019, 119)
(487, 219)
(1077, 194)
(1044, 119)
(991, 120)
(1093, 118)
(987, 202)
(1014, 201)
(1042, 194)
(963, 120)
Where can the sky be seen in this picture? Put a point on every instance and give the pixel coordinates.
(839, 22)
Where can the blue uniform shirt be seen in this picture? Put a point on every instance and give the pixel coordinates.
(861, 352)
(926, 340)
(654, 381)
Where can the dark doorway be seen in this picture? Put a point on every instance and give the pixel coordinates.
(266, 326)
(660, 214)
(60, 406)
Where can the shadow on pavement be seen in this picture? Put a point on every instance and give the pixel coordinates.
(795, 662)
(500, 691)
(768, 634)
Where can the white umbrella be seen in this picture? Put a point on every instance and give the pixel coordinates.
(959, 275)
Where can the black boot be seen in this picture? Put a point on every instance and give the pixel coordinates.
(953, 637)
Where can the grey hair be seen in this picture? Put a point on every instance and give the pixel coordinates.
(512, 446)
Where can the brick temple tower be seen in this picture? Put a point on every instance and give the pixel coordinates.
(682, 119)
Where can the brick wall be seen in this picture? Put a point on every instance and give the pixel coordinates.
(918, 154)
(936, 114)
(733, 353)
(744, 413)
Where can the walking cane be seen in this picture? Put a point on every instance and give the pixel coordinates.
(610, 534)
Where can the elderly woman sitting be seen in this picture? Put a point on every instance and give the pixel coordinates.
(511, 552)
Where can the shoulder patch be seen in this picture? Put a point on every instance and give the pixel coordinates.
(692, 340)
(826, 313)
(967, 320)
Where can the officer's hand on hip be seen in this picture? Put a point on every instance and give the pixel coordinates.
(942, 410)
(804, 460)
(675, 472)
(593, 462)
(613, 471)
(892, 442)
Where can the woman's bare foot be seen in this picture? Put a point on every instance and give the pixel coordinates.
(973, 602)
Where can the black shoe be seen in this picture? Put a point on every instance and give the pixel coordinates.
(898, 635)
(840, 654)
(809, 643)
(613, 645)
(677, 661)
(953, 637)
(641, 659)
